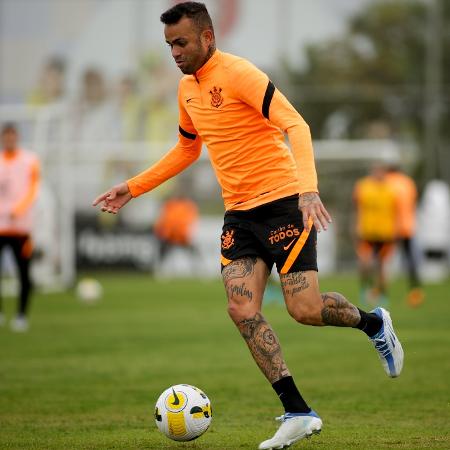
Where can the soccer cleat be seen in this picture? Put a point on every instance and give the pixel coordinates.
(387, 345)
(295, 426)
(19, 324)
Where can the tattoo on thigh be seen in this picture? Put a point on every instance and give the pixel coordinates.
(264, 347)
(338, 311)
(240, 268)
(242, 290)
(292, 283)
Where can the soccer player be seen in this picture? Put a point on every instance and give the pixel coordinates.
(271, 199)
(406, 194)
(175, 226)
(19, 183)
(376, 221)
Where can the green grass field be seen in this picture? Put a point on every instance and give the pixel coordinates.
(87, 377)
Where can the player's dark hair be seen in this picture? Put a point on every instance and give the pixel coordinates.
(9, 127)
(193, 10)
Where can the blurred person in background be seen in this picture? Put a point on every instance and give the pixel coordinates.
(375, 228)
(157, 88)
(406, 204)
(19, 184)
(51, 85)
(94, 117)
(273, 209)
(175, 226)
(131, 109)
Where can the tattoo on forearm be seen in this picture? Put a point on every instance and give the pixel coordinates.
(238, 269)
(239, 290)
(338, 311)
(264, 347)
(292, 283)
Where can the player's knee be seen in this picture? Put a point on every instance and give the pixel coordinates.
(238, 311)
(235, 311)
(308, 313)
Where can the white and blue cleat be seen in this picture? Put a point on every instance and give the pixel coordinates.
(294, 426)
(387, 345)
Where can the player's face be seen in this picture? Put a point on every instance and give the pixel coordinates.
(9, 140)
(188, 45)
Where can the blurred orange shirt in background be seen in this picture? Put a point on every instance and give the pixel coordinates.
(19, 184)
(405, 192)
(177, 221)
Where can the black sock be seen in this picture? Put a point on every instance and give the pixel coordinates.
(290, 396)
(370, 323)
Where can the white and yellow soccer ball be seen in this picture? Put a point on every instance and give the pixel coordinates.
(183, 412)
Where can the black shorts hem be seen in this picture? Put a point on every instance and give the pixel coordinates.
(301, 269)
(252, 255)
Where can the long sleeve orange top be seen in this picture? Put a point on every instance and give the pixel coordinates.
(235, 109)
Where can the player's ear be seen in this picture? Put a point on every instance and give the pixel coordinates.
(207, 37)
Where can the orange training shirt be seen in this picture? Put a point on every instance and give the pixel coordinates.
(235, 109)
(376, 210)
(19, 185)
(406, 194)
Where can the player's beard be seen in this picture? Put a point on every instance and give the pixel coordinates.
(197, 60)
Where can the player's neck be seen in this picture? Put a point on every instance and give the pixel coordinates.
(204, 67)
(209, 54)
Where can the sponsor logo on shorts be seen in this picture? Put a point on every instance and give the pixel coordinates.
(227, 239)
(289, 232)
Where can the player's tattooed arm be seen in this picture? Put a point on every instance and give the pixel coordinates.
(338, 311)
(264, 347)
(312, 208)
(293, 283)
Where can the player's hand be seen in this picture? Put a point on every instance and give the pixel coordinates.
(114, 199)
(312, 207)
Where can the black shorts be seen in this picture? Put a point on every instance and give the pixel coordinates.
(274, 232)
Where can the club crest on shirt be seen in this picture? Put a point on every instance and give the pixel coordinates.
(216, 97)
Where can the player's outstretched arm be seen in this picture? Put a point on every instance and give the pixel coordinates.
(114, 199)
(312, 207)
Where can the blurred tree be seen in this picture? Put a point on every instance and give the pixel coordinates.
(371, 81)
(386, 76)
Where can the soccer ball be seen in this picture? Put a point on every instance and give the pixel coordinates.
(183, 412)
(89, 290)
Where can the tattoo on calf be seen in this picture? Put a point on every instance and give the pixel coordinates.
(264, 347)
(338, 311)
(292, 283)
